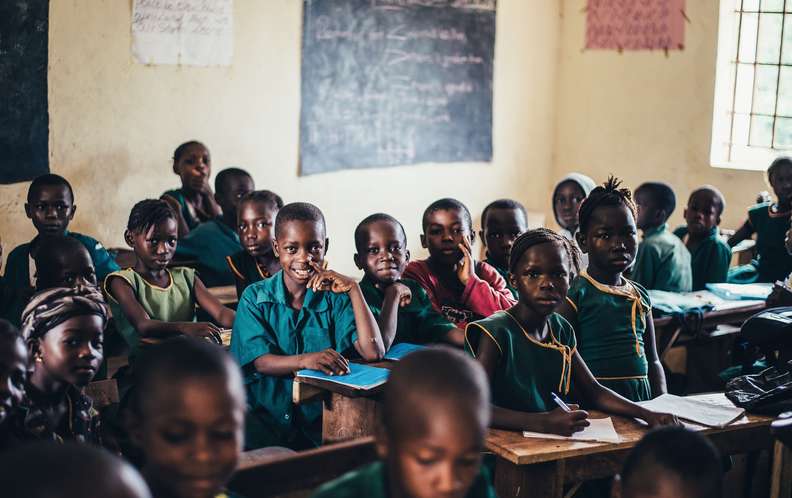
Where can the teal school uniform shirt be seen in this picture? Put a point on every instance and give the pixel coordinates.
(709, 260)
(418, 322)
(371, 481)
(773, 261)
(266, 324)
(210, 243)
(17, 271)
(503, 272)
(245, 269)
(663, 262)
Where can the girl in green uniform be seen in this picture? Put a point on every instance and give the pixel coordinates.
(611, 315)
(530, 352)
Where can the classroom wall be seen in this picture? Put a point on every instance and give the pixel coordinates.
(114, 123)
(642, 115)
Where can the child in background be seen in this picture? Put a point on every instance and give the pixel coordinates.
(663, 261)
(151, 302)
(304, 316)
(50, 205)
(612, 316)
(502, 221)
(710, 256)
(770, 222)
(64, 329)
(13, 376)
(672, 462)
(401, 307)
(529, 351)
(188, 418)
(434, 419)
(214, 240)
(567, 196)
(63, 261)
(255, 218)
(193, 203)
(459, 287)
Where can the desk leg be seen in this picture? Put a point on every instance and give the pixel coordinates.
(541, 480)
(348, 418)
(781, 476)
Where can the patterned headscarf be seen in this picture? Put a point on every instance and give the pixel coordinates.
(49, 308)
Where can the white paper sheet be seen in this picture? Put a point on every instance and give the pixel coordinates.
(187, 32)
(601, 430)
(708, 413)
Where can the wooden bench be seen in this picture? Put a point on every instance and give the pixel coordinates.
(103, 393)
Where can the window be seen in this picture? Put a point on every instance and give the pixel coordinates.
(752, 121)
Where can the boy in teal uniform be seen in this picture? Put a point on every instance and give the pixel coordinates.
(770, 222)
(663, 261)
(304, 316)
(709, 254)
(436, 402)
(502, 221)
(401, 306)
(211, 242)
(50, 205)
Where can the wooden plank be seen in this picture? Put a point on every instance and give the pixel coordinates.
(781, 475)
(263, 456)
(541, 480)
(346, 418)
(304, 393)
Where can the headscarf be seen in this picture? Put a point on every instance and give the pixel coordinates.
(584, 182)
(49, 308)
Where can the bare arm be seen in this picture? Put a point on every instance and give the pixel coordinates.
(744, 232)
(396, 296)
(219, 313)
(455, 337)
(657, 379)
(328, 361)
(369, 343)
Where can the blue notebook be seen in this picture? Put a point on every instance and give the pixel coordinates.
(360, 376)
(400, 350)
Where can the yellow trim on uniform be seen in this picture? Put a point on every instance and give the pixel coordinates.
(234, 269)
(486, 332)
(571, 303)
(629, 377)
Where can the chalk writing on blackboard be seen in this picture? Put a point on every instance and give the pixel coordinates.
(635, 24)
(391, 82)
(188, 32)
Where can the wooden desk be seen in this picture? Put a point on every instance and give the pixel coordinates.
(226, 294)
(541, 468)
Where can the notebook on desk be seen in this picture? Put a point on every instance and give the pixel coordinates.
(400, 350)
(698, 411)
(601, 430)
(361, 377)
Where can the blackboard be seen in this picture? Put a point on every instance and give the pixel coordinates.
(392, 82)
(24, 121)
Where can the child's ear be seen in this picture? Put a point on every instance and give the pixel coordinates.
(130, 241)
(73, 210)
(176, 168)
(275, 250)
(34, 351)
(512, 280)
(356, 259)
(327, 245)
(472, 237)
(481, 236)
(406, 256)
(28, 211)
(423, 241)
(580, 237)
(661, 216)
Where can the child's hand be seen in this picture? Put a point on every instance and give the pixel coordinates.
(328, 361)
(566, 423)
(400, 292)
(466, 268)
(203, 330)
(655, 419)
(328, 280)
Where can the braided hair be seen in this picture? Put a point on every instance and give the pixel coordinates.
(148, 213)
(543, 236)
(607, 194)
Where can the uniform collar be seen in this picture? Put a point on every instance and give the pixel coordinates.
(654, 231)
(273, 290)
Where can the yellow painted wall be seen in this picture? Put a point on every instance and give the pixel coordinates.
(115, 123)
(642, 116)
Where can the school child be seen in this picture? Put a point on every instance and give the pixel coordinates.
(611, 315)
(530, 352)
(214, 240)
(672, 462)
(436, 410)
(63, 328)
(770, 222)
(255, 218)
(710, 256)
(45, 469)
(401, 306)
(50, 205)
(63, 261)
(194, 203)
(459, 287)
(567, 196)
(13, 376)
(150, 301)
(188, 418)
(12, 299)
(502, 221)
(663, 261)
(304, 316)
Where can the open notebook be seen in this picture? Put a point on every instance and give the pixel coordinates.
(361, 377)
(709, 413)
(601, 430)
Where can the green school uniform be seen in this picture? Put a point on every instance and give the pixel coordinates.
(267, 324)
(371, 481)
(245, 269)
(210, 243)
(663, 262)
(418, 322)
(528, 370)
(174, 303)
(709, 260)
(611, 323)
(187, 213)
(503, 272)
(773, 261)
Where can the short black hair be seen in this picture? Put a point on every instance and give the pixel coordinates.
(148, 213)
(48, 180)
(181, 149)
(502, 204)
(778, 163)
(720, 200)
(607, 194)
(662, 194)
(447, 204)
(543, 236)
(675, 451)
(298, 211)
(266, 197)
(361, 231)
(52, 248)
(223, 177)
(9, 332)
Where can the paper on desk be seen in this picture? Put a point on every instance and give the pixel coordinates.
(601, 430)
(710, 414)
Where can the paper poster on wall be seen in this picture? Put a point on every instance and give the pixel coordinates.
(635, 25)
(186, 32)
